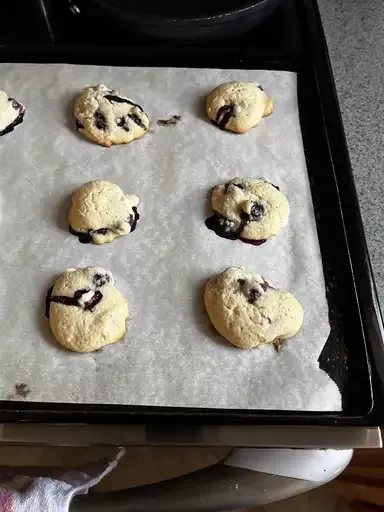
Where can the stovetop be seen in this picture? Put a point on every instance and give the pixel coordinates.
(52, 21)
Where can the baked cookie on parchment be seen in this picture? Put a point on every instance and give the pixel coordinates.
(85, 309)
(106, 117)
(248, 311)
(249, 209)
(238, 106)
(101, 212)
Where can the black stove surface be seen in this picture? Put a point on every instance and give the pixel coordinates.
(48, 21)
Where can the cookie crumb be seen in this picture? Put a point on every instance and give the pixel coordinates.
(167, 122)
(277, 345)
(22, 390)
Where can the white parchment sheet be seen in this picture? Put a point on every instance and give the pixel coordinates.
(171, 356)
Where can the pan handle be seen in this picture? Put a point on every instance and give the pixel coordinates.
(223, 486)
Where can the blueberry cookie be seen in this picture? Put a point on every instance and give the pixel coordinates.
(238, 106)
(11, 113)
(85, 310)
(106, 117)
(248, 311)
(248, 209)
(101, 212)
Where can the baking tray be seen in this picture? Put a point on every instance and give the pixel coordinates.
(353, 308)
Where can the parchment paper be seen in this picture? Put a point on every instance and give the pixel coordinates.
(171, 356)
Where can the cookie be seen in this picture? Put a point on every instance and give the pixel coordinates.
(238, 106)
(11, 113)
(106, 117)
(249, 209)
(248, 311)
(85, 310)
(101, 212)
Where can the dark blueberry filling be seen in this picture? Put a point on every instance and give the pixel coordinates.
(93, 302)
(257, 212)
(238, 185)
(60, 299)
(68, 301)
(222, 227)
(18, 120)
(134, 218)
(276, 187)
(245, 219)
(253, 294)
(79, 125)
(100, 280)
(112, 98)
(121, 123)
(266, 286)
(48, 301)
(223, 115)
(77, 294)
(136, 119)
(100, 121)
(86, 238)
(72, 301)
(253, 242)
(101, 231)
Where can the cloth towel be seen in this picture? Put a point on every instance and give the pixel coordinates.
(22, 490)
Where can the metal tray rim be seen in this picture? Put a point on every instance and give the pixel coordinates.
(11, 411)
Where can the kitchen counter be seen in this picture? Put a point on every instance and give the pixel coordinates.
(355, 37)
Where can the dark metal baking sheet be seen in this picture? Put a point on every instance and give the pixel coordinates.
(354, 313)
